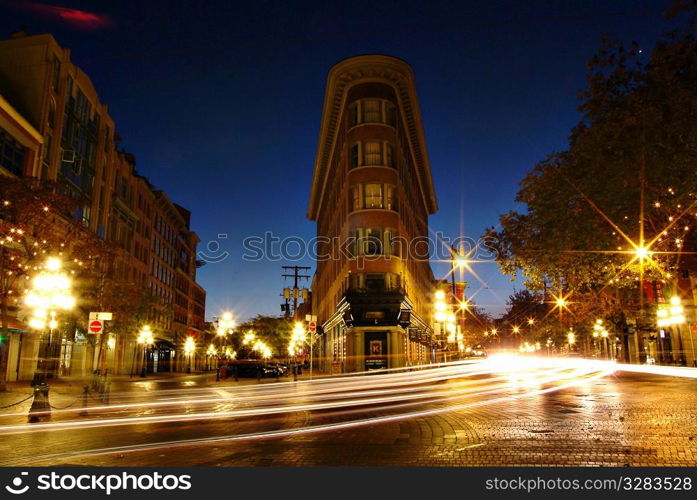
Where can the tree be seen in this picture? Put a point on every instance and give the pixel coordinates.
(616, 207)
(272, 330)
(477, 322)
(37, 221)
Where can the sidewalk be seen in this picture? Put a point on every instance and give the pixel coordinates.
(68, 391)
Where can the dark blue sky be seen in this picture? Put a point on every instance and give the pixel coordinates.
(220, 101)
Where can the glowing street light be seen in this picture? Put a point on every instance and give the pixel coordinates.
(50, 292)
(145, 339)
(225, 324)
(189, 350)
(249, 337)
(571, 338)
(642, 252)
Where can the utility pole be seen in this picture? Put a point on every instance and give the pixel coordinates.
(296, 276)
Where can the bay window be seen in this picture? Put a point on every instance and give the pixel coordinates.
(373, 196)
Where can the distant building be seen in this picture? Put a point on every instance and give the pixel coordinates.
(372, 189)
(55, 127)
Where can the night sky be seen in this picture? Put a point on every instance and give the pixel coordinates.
(220, 102)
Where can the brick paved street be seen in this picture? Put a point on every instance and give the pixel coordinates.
(624, 419)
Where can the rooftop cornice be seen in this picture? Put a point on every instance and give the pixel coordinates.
(365, 69)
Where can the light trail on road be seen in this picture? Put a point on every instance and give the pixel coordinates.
(349, 401)
(329, 404)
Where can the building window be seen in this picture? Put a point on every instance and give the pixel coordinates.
(12, 153)
(371, 111)
(372, 153)
(375, 281)
(353, 156)
(353, 114)
(389, 241)
(372, 241)
(389, 155)
(390, 114)
(52, 113)
(56, 72)
(356, 197)
(390, 197)
(373, 196)
(47, 148)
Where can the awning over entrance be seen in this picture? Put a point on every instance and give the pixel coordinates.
(16, 326)
(164, 344)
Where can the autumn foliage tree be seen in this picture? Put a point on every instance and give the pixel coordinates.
(37, 221)
(619, 204)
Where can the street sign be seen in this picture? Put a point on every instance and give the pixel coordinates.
(100, 316)
(312, 326)
(96, 326)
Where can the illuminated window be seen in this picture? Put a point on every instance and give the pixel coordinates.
(356, 197)
(372, 153)
(373, 196)
(390, 197)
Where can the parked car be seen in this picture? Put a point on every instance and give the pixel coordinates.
(252, 368)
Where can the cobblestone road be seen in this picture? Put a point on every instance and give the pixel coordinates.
(618, 420)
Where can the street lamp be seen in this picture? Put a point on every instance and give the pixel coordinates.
(446, 317)
(674, 315)
(145, 339)
(571, 338)
(50, 293)
(211, 352)
(225, 324)
(189, 349)
(295, 346)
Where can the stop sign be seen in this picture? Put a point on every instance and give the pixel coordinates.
(96, 326)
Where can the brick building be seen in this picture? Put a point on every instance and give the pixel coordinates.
(51, 114)
(372, 189)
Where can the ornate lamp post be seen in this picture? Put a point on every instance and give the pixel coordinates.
(50, 293)
(226, 325)
(295, 347)
(189, 350)
(145, 339)
(445, 317)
